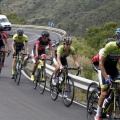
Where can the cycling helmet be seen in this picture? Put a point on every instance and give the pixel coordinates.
(45, 34)
(109, 40)
(117, 32)
(20, 32)
(67, 40)
(1, 28)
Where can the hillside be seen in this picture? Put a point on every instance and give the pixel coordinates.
(74, 16)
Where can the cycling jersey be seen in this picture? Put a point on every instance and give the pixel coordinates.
(42, 44)
(2, 38)
(110, 63)
(61, 51)
(22, 40)
(19, 43)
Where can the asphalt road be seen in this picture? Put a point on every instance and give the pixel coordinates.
(24, 103)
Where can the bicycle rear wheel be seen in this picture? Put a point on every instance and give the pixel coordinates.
(68, 92)
(19, 71)
(92, 104)
(42, 81)
(53, 89)
(92, 86)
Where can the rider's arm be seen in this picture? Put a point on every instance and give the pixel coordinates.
(102, 68)
(51, 51)
(13, 46)
(6, 43)
(75, 60)
(27, 47)
(36, 50)
(5, 39)
(119, 62)
(58, 59)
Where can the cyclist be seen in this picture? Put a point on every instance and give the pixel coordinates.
(108, 67)
(39, 49)
(95, 59)
(63, 51)
(20, 40)
(3, 43)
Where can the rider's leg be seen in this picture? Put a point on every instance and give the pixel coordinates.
(3, 55)
(103, 95)
(13, 66)
(34, 69)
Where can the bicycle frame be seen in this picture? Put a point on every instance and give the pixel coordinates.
(114, 91)
(41, 65)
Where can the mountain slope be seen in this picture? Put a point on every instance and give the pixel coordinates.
(73, 16)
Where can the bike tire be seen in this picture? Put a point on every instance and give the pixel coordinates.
(114, 115)
(42, 81)
(92, 86)
(92, 104)
(0, 64)
(36, 81)
(16, 72)
(19, 72)
(68, 90)
(53, 90)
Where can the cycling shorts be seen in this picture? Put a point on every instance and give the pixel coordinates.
(18, 49)
(63, 61)
(40, 52)
(2, 45)
(114, 74)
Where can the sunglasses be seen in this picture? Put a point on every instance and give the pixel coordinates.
(45, 36)
(68, 44)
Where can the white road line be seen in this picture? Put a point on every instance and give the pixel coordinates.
(49, 90)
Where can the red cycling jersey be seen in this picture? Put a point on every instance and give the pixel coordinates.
(42, 44)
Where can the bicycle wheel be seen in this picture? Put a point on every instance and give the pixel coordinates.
(42, 81)
(37, 76)
(53, 89)
(114, 114)
(19, 71)
(16, 71)
(92, 86)
(0, 63)
(68, 92)
(92, 104)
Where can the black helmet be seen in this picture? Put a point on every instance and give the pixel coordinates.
(1, 28)
(109, 40)
(20, 32)
(45, 33)
(67, 40)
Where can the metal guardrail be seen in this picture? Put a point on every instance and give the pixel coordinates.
(79, 82)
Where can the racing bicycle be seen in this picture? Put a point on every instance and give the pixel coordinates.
(64, 86)
(19, 66)
(40, 77)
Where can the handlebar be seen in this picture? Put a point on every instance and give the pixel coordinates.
(67, 68)
(8, 52)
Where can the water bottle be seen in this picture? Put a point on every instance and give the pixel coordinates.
(107, 100)
(60, 79)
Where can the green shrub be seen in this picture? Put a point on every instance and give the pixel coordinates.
(14, 19)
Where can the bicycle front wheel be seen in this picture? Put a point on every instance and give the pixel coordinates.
(68, 92)
(42, 80)
(0, 63)
(53, 89)
(92, 86)
(92, 104)
(19, 67)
